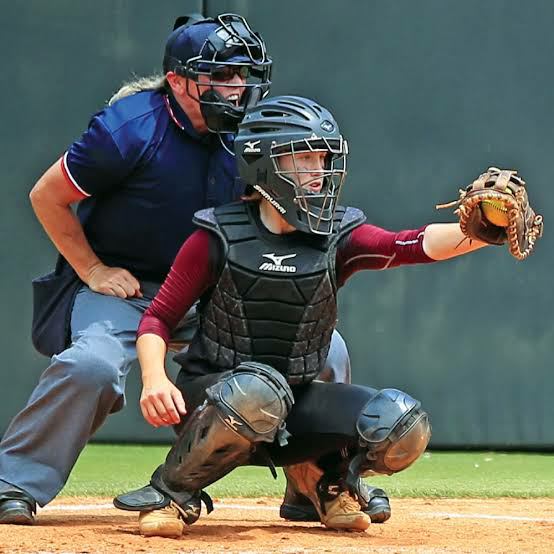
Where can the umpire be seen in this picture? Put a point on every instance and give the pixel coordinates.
(145, 164)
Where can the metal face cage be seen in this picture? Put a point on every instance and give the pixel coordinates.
(316, 208)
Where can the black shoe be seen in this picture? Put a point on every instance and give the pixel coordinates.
(297, 507)
(16, 506)
(378, 505)
(17, 512)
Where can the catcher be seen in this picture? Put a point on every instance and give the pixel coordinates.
(267, 271)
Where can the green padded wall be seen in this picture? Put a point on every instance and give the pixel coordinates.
(429, 94)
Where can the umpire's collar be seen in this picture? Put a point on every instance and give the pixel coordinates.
(180, 118)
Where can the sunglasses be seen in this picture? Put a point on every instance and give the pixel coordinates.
(227, 72)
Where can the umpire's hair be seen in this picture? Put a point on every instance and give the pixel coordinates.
(138, 84)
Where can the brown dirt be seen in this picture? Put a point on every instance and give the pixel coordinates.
(417, 525)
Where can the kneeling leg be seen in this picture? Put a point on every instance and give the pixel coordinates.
(381, 432)
(245, 408)
(297, 506)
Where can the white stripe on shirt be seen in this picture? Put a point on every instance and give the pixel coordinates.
(71, 176)
(406, 242)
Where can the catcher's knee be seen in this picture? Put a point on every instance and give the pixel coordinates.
(393, 432)
(253, 400)
(247, 406)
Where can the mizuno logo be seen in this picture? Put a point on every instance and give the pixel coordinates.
(277, 264)
(232, 422)
(327, 126)
(270, 199)
(192, 510)
(250, 147)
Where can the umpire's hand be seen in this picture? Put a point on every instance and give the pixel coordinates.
(113, 281)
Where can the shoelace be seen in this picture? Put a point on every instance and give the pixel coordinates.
(346, 501)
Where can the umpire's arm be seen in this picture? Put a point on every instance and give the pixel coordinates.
(51, 198)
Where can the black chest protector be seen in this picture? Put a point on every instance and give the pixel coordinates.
(275, 299)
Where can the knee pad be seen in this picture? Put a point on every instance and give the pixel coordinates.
(246, 406)
(393, 432)
(253, 400)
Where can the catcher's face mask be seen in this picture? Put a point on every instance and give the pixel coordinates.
(314, 170)
(231, 60)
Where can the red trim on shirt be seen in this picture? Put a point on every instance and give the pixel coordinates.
(70, 180)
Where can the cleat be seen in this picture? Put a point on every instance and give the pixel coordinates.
(344, 512)
(297, 507)
(336, 508)
(164, 522)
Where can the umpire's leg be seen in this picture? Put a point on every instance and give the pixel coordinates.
(81, 386)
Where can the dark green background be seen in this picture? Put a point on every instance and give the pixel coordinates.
(429, 94)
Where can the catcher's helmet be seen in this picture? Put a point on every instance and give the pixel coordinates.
(288, 125)
(219, 48)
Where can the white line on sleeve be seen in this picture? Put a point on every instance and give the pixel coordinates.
(68, 173)
(362, 256)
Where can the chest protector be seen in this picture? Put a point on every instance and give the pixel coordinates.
(275, 299)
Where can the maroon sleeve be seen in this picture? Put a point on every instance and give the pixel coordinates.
(371, 247)
(192, 272)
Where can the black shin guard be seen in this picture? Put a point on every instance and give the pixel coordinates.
(247, 406)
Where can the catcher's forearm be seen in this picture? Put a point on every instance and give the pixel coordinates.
(151, 350)
(446, 240)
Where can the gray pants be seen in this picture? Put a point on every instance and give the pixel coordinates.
(81, 387)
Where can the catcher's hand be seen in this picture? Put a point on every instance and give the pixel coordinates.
(495, 209)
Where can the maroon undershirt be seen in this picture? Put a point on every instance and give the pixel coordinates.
(367, 247)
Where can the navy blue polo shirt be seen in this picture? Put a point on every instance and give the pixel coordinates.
(145, 171)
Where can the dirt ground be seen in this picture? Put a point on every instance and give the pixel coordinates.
(248, 526)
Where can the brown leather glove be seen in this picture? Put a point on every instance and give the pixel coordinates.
(501, 196)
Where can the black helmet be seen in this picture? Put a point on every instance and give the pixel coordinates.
(288, 125)
(218, 49)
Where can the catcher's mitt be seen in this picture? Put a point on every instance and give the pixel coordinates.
(505, 202)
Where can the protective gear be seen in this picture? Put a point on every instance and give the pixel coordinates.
(289, 125)
(506, 188)
(337, 509)
(16, 506)
(298, 507)
(393, 432)
(380, 432)
(374, 501)
(209, 52)
(149, 498)
(255, 297)
(247, 406)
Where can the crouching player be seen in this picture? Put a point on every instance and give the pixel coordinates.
(267, 271)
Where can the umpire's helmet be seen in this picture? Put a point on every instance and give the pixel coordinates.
(288, 125)
(218, 48)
